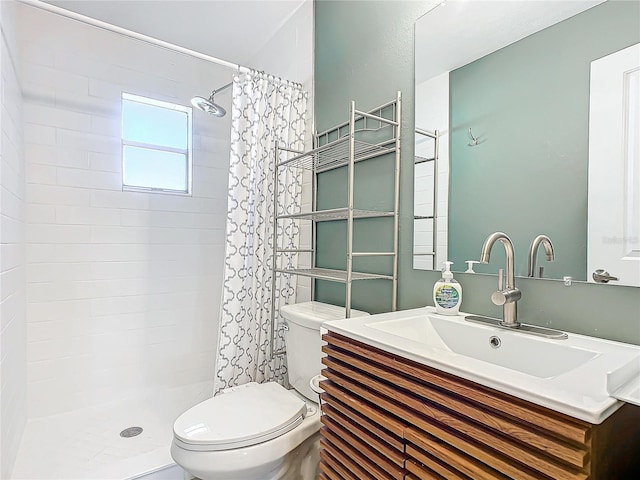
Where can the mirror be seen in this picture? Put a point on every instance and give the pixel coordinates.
(506, 88)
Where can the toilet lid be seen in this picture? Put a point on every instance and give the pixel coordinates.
(244, 416)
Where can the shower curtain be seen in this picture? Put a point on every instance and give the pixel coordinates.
(265, 111)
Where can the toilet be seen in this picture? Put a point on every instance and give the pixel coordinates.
(262, 431)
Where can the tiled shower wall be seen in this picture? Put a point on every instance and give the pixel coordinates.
(123, 288)
(13, 386)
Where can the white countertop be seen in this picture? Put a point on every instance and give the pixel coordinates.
(580, 391)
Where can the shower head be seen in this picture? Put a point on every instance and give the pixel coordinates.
(207, 105)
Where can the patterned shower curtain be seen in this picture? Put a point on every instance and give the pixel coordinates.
(265, 111)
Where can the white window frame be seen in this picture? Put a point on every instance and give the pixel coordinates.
(188, 152)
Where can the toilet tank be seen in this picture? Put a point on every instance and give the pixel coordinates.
(303, 341)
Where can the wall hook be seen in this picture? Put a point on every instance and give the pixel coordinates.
(473, 141)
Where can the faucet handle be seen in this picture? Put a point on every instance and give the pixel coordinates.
(502, 297)
(501, 279)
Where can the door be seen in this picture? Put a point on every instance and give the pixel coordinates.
(614, 167)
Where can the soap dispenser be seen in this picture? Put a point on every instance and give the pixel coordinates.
(447, 292)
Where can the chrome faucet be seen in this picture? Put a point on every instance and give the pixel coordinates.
(533, 253)
(507, 294)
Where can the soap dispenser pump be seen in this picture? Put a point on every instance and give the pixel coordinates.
(447, 292)
(470, 264)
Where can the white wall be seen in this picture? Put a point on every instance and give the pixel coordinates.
(13, 386)
(123, 288)
(289, 54)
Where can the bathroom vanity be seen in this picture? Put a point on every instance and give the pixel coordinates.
(395, 408)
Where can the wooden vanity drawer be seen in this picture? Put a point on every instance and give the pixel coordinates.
(453, 428)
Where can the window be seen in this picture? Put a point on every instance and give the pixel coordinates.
(156, 145)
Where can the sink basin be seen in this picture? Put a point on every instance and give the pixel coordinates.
(485, 343)
(572, 376)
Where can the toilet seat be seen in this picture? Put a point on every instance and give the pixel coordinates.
(246, 415)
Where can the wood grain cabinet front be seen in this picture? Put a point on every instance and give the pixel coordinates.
(386, 417)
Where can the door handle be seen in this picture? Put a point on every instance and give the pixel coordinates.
(602, 276)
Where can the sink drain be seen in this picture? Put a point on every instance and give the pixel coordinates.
(131, 432)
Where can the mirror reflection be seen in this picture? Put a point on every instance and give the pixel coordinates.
(514, 142)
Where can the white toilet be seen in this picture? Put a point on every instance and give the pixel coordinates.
(262, 431)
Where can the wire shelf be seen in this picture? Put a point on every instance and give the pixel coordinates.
(335, 214)
(333, 275)
(336, 154)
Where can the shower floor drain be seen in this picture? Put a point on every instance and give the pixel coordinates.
(131, 432)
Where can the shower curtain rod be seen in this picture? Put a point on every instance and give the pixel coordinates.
(129, 33)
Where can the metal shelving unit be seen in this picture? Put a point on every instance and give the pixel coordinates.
(364, 136)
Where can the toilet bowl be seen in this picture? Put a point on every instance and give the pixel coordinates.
(246, 433)
(262, 431)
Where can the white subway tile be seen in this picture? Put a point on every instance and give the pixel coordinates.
(90, 142)
(12, 179)
(12, 230)
(67, 346)
(57, 329)
(119, 270)
(12, 156)
(57, 117)
(12, 129)
(42, 370)
(44, 253)
(51, 155)
(58, 79)
(49, 272)
(37, 53)
(12, 307)
(105, 162)
(12, 255)
(140, 218)
(117, 323)
(38, 93)
(75, 177)
(210, 184)
(41, 174)
(40, 252)
(110, 126)
(47, 311)
(78, 62)
(58, 234)
(67, 215)
(11, 205)
(86, 103)
(39, 134)
(57, 195)
(107, 90)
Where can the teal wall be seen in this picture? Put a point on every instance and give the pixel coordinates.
(364, 52)
(529, 103)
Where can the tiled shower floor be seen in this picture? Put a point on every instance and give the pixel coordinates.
(86, 444)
